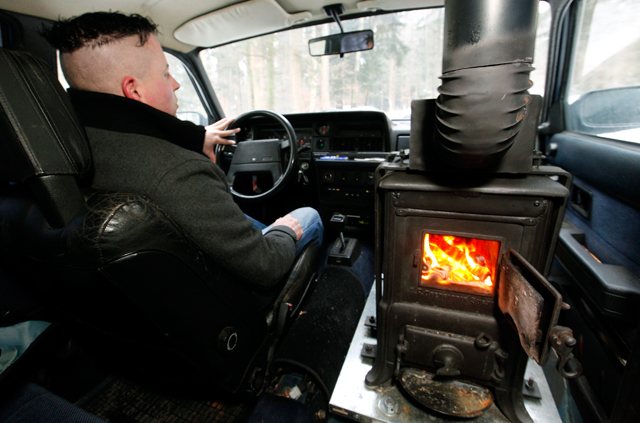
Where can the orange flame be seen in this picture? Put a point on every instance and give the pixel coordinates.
(459, 263)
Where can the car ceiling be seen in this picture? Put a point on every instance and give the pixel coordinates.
(184, 25)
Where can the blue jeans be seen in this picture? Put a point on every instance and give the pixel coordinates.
(312, 228)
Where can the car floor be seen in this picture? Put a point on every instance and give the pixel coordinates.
(69, 378)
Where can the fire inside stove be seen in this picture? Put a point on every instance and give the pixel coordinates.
(459, 263)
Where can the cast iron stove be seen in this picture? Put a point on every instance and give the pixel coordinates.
(466, 227)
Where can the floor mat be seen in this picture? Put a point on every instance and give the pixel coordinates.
(123, 401)
(317, 343)
(319, 338)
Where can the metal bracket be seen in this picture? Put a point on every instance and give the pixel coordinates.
(370, 322)
(369, 350)
(530, 389)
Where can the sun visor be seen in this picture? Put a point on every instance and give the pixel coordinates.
(237, 22)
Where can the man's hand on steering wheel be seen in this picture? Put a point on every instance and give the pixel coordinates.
(274, 157)
(216, 134)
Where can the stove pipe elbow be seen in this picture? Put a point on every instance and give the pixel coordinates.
(487, 57)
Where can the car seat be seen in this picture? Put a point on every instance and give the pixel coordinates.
(117, 267)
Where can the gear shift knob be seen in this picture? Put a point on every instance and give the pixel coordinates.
(338, 221)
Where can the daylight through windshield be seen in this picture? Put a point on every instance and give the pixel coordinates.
(276, 72)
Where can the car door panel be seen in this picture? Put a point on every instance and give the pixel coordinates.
(603, 211)
(598, 254)
(612, 166)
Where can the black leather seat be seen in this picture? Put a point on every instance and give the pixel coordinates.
(115, 264)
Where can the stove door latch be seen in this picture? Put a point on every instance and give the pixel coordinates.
(561, 340)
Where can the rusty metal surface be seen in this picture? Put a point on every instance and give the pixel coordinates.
(450, 397)
(533, 304)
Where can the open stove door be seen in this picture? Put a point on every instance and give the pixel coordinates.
(534, 306)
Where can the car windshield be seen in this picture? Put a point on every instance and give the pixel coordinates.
(276, 71)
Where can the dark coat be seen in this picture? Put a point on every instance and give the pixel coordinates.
(185, 184)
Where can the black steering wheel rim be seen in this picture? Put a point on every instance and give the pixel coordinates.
(293, 156)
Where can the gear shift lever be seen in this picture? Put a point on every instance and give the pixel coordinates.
(343, 244)
(344, 250)
(337, 222)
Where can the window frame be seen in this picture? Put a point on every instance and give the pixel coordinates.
(572, 107)
(194, 82)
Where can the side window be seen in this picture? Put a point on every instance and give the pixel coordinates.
(538, 76)
(604, 87)
(189, 105)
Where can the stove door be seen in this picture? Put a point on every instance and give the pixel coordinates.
(531, 301)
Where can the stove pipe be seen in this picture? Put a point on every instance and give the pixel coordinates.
(488, 51)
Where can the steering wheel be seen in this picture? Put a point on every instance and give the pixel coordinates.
(254, 157)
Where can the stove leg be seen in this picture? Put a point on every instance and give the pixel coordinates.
(510, 400)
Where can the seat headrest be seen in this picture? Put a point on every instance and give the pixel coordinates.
(40, 135)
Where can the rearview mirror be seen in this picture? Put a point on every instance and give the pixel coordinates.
(344, 42)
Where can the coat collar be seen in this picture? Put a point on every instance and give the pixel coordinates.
(121, 114)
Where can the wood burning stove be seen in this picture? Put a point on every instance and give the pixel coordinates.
(466, 226)
(428, 316)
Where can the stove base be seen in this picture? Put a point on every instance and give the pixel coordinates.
(354, 400)
(446, 396)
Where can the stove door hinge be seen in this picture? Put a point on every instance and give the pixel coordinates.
(562, 342)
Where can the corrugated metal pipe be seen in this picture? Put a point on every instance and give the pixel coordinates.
(488, 52)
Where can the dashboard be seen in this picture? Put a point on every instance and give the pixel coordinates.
(351, 131)
(338, 154)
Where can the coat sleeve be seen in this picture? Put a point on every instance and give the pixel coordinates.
(195, 193)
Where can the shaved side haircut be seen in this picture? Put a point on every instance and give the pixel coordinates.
(97, 29)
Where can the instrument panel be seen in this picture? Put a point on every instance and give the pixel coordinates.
(338, 153)
(357, 131)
